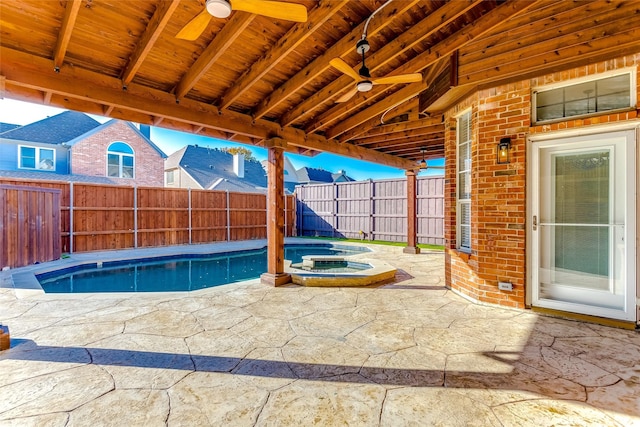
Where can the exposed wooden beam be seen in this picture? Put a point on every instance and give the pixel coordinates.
(415, 35)
(392, 138)
(108, 109)
(446, 47)
(281, 49)
(342, 47)
(559, 19)
(223, 40)
(71, 10)
(376, 121)
(614, 37)
(413, 145)
(401, 96)
(380, 131)
(156, 25)
(28, 71)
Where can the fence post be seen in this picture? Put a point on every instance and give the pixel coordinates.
(71, 217)
(299, 202)
(189, 210)
(135, 216)
(228, 219)
(371, 209)
(335, 210)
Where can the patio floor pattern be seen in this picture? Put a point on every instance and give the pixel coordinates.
(405, 353)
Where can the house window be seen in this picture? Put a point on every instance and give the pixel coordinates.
(463, 170)
(37, 158)
(170, 177)
(585, 97)
(120, 160)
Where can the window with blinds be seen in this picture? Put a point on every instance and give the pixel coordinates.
(581, 97)
(463, 167)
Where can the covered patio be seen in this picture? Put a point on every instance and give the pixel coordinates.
(447, 343)
(406, 353)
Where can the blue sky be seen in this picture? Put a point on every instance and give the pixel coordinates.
(21, 113)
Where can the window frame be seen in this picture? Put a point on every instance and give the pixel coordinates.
(37, 158)
(577, 81)
(121, 155)
(460, 202)
(171, 173)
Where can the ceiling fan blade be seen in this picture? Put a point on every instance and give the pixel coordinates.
(195, 27)
(347, 96)
(340, 65)
(273, 9)
(403, 78)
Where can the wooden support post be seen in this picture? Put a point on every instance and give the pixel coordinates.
(275, 275)
(412, 240)
(5, 338)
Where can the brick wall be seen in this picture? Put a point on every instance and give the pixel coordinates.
(89, 156)
(498, 233)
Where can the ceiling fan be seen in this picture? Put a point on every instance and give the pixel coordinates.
(363, 77)
(222, 9)
(423, 163)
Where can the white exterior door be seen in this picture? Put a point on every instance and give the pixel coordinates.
(583, 225)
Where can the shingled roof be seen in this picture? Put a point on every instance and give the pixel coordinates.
(56, 129)
(306, 175)
(213, 168)
(4, 127)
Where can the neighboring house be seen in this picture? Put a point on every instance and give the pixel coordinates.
(320, 176)
(73, 146)
(305, 175)
(212, 169)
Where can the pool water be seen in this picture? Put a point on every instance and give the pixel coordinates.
(179, 273)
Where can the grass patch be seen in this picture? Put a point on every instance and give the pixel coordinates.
(378, 242)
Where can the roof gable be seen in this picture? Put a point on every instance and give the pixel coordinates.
(57, 129)
(103, 126)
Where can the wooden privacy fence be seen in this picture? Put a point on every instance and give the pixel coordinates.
(371, 210)
(98, 217)
(29, 225)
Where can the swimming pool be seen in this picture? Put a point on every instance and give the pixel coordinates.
(176, 273)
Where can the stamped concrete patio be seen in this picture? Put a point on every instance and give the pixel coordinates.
(406, 353)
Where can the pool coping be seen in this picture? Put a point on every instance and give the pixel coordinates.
(379, 272)
(24, 283)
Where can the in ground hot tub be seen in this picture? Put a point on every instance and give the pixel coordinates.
(323, 270)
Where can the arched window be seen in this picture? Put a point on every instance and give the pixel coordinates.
(120, 160)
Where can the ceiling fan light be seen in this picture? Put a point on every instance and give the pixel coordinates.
(218, 8)
(365, 86)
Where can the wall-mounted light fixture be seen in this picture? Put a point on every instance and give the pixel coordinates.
(504, 151)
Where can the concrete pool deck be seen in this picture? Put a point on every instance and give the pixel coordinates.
(409, 352)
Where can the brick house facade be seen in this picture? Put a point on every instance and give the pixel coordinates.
(499, 200)
(89, 154)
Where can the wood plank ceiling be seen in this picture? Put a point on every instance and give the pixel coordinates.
(248, 77)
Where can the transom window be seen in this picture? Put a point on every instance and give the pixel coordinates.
(583, 98)
(463, 167)
(37, 158)
(120, 160)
